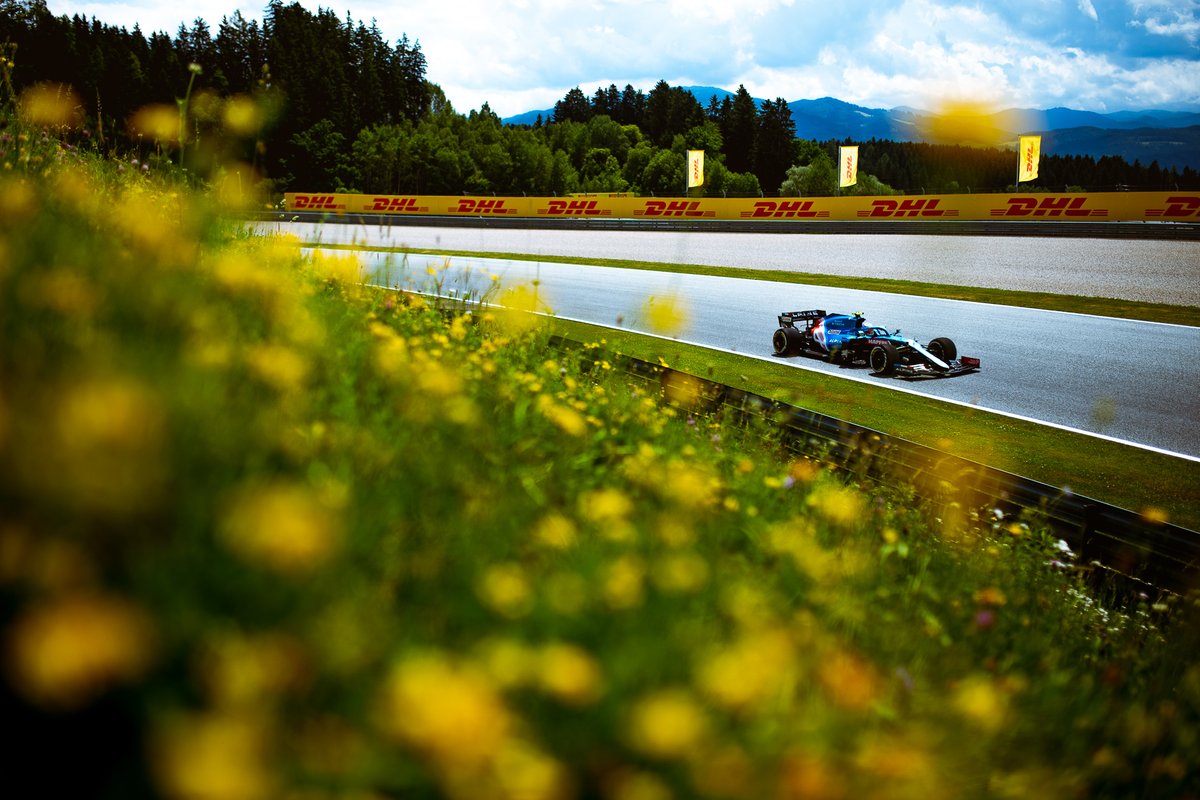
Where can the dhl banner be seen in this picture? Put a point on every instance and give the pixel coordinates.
(1092, 206)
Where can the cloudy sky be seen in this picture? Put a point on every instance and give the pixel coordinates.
(521, 55)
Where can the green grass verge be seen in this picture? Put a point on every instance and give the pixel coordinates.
(1099, 306)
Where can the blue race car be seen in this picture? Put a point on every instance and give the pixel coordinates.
(848, 339)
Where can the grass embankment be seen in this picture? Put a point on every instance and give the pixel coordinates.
(267, 533)
(1129, 477)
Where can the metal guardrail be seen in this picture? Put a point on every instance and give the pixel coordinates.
(1138, 552)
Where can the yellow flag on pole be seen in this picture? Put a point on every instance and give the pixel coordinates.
(848, 166)
(1030, 148)
(695, 168)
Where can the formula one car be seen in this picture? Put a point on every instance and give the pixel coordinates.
(848, 339)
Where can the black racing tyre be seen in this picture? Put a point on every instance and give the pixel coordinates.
(882, 358)
(786, 341)
(943, 348)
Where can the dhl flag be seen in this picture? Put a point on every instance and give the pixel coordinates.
(848, 166)
(695, 168)
(1030, 149)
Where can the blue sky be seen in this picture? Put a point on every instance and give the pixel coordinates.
(520, 55)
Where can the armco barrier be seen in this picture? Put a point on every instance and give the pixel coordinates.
(1140, 553)
(1033, 206)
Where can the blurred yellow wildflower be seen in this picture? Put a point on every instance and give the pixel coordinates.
(624, 583)
(639, 785)
(840, 505)
(980, 700)
(63, 652)
(51, 105)
(450, 711)
(667, 316)
(343, 269)
(609, 510)
(214, 757)
(667, 724)
(158, 122)
(240, 671)
(990, 596)
(242, 116)
(505, 588)
(509, 663)
(964, 122)
(555, 531)
(567, 420)
(278, 366)
(282, 526)
(680, 572)
(751, 671)
(518, 308)
(104, 449)
(570, 674)
(849, 680)
(521, 772)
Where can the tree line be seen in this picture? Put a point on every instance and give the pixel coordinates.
(344, 109)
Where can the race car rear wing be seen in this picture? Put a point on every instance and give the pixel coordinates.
(789, 318)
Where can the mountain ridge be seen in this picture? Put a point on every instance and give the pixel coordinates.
(1172, 138)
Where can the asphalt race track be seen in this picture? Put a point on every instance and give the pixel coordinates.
(1130, 380)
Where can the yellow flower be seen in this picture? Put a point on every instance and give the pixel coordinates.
(624, 583)
(842, 506)
(979, 700)
(242, 116)
(278, 366)
(570, 674)
(667, 724)
(849, 680)
(681, 572)
(213, 757)
(50, 104)
(66, 651)
(518, 308)
(450, 711)
(506, 590)
(568, 420)
(282, 526)
(556, 531)
(667, 316)
(157, 121)
(605, 504)
(751, 671)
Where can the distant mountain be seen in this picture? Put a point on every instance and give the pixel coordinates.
(1172, 138)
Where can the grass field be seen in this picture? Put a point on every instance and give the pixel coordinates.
(266, 532)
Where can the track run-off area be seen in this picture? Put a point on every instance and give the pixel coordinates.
(1133, 381)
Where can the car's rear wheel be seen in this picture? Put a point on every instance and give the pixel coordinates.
(787, 341)
(943, 348)
(882, 358)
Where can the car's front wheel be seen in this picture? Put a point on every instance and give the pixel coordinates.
(943, 348)
(882, 358)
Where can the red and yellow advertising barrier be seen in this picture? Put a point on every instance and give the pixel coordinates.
(1095, 206)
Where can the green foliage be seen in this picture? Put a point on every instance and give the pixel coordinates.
(816, 179)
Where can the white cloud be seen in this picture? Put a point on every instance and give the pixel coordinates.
(526, 54)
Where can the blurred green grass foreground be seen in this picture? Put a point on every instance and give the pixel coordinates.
(269, 533)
